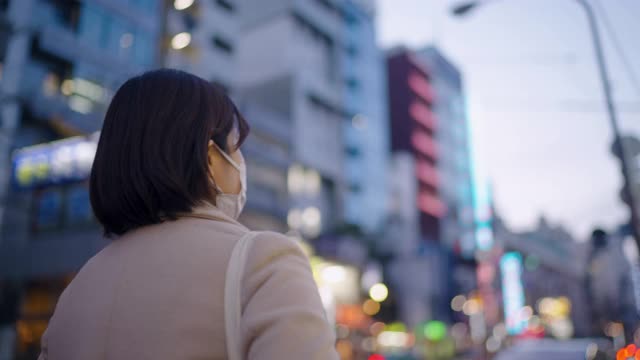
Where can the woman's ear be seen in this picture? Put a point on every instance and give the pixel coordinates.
(215, 160)
(213, 154)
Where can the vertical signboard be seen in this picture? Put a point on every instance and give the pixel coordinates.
(513, 292)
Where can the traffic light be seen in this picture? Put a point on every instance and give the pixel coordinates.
(628, 151)
(630, 146)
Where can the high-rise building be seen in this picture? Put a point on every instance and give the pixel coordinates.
(366, 138)
(414, 128)
(416, 207)
(430, 148)
(61, 63)
(457, 227)
(315, 64)
(428, 120)
(267, 153)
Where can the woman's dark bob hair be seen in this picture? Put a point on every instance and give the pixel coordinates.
(151, 163)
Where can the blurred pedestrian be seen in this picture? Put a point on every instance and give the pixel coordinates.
(596, 267)
(181, 278)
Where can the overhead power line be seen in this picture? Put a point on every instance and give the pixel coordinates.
(633, 78)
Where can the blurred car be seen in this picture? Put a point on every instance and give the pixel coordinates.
(547, 349)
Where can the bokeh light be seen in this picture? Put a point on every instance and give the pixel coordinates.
(182, 4)
(458, 302)
(181, 40)
(379, 292)
(371, 307)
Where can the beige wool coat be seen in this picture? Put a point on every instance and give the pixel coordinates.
(158, 293)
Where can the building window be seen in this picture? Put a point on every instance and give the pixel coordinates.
(93, 25)
(143, 49)
(314, 32)
(264, 141)
(264, 192)
(78, 206)
(352, 83)
(64, 12)
(322, 41)
(350, 18)
(99, 28)
(267, 176)
(189, 21)
(47, 210)
(145, 5)
(303, 181)
(352, 151)
(222, 44)
(50, 84)
(226, 5)
(119, 37)
(328, 5)
(48, 61)
(324, 106)
(351, 50)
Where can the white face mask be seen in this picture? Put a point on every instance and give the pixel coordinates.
(232, 204)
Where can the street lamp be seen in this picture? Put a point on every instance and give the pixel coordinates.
(464, 8)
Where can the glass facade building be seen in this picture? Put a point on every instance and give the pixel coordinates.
(61, 63)
(367, 146)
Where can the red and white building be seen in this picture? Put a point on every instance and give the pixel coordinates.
(413, 130)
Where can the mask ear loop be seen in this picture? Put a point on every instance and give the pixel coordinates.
(240, 126)
(212, 180)
(227, 157)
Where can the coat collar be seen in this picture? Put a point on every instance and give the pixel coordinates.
(207, 210)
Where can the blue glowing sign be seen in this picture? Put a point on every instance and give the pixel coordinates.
(484, 236)
(513, 292)
(53, 163)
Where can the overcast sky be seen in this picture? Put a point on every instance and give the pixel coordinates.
(535, 102)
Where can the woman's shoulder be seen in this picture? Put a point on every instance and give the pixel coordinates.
(271, 240)
(281, 301)
(269, 246)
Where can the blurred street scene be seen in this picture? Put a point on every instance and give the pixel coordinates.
(437, 227)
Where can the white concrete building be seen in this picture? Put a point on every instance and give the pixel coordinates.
(202, 39)
(314, 62)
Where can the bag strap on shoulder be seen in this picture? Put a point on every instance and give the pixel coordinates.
(232, 296)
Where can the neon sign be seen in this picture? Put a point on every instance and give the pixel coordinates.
(513, 293)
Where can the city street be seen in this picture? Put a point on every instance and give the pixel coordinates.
(463, 177)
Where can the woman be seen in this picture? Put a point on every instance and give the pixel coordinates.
(168, 184)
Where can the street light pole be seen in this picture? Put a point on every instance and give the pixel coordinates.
(610, 107)
(613, 118)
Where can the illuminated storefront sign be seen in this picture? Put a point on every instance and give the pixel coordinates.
(513, 293)
(53, 163)
(483, 213)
